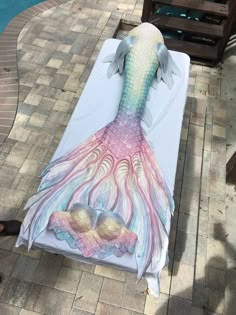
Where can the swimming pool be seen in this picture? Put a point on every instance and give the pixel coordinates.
(10, 8)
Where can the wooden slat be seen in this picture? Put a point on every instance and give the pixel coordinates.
(228, 26)
(192, 49)
(194, 27)
(203, 6)
(147, 10)
(231, 170)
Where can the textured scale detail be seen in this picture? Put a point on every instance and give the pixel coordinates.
(93, 232)
(113, 174)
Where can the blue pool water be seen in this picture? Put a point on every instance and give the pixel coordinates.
(10, 8)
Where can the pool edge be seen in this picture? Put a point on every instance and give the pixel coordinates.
(9, 79)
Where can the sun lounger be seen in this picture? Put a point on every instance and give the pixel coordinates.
(97, 106)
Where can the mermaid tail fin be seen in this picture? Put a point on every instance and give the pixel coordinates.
(167, 66)
(104, 175)
(117, 60)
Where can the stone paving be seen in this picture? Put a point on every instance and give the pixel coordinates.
(56, 52)
(228, 88)
(8, 65)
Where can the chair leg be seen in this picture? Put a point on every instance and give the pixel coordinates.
(147, 10)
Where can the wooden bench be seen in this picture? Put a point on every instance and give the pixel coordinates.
(204, 41)
(231, 170)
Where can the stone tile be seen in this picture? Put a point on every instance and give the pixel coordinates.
(7, 146)
(18, 154)
(107, 309)
(202, 79)
(187, 223)
(18, 292)
(37, 153)
(21, 119)
(179, 306)
(37, 120)
(215, 301)
(214, 228)
(193, 165)
(47, 70)
(112, 310)
(27, 79)
(7, 242)
(195, 147)
(165, 281)
(189, 202)
(8, 172)
(219, 131)
(48, 269)
(217, 190)
(22, 182)
(79, 68)
(30, 167)
(27, 312)
(182, 280)
(155, 305)
(200, 270)
(22, 250)
(202, 245)
(73, 83)
(19, 134)
(230, 302)
(61, 106)
(7, 213)
(23, 92)
(59, 81)
(11, 198)
(78, 265)
(64, 48)
(216, 279)
(185, 248)
(65, 96)
(192, 183)
(201, 86)
(40, 42)
(200, 295)
(88, 292)
(46, 105)
(134, 294)
(197, 311)
(42, 139)
(45, 91)
(54, 63)
(208, 137)
(8, 261)
(33, 99)
(112, 292)
(52, 301)
(25, 268)
(203, 224)
(216, 254)
(196, 131)
(110, 273)
(75, 311)
(9, 309)
(217, 207)
(33, 297)
(68, 279)
(44, 79)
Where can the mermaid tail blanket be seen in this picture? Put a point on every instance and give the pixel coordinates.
(107, 196)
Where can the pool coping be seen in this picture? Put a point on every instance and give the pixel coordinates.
(9, 79)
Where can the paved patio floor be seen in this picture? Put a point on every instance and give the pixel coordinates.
(56, 51)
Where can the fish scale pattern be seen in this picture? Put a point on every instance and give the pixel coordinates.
(115, 172)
